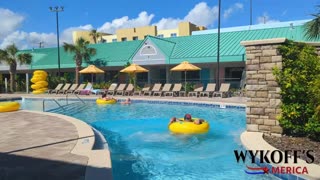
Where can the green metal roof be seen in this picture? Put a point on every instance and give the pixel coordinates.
(195, 48)
(198, 48)
(110, 54)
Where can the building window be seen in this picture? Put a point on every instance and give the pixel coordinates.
(135, 38)
(233, 73)
(124, 39)
(103, 41)
(160, 36)
(148, 50)
(192, 76)
(114, 40)
(173, 34)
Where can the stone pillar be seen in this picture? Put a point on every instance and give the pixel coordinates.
(262, 91)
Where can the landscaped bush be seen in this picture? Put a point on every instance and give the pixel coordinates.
(300, 89)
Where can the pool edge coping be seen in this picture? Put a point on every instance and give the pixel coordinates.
(193, 101)
(255, 141)
(84, 146)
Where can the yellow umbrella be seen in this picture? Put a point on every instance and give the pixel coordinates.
(185, 66)
(133, 69)
(91, 69)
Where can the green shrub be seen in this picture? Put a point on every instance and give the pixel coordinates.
(298, 79)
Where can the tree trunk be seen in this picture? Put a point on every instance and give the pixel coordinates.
(12, 83)
(12, 72)
(77, 74)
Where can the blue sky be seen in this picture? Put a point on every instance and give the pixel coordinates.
(26, 23)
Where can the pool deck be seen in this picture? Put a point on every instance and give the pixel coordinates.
(41, 145)
(37, 145)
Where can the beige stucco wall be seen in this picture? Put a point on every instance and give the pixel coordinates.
(167, 32)
(186, 28)
(139, 32)
(109, 38)
(86, 36)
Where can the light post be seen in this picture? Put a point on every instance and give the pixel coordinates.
(218, 48)
(57, 9)
(250, 12)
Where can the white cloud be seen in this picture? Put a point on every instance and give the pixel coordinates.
(202, 15)
(265, 19)
(232, 9)
(167, 23)
(143, 19)
(10, 22)
(66, 35)
(24, 40)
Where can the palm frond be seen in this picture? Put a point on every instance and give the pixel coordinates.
(25, 58)
(312, 29)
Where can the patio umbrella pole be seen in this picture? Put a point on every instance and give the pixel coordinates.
(134, 81)
(185, 82)
(91, 78)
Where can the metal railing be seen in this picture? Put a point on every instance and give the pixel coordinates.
(67, 98)
(60, 106)
(43, 104)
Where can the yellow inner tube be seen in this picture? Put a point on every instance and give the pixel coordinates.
(102, 101)
(183, 127)
(9, 106)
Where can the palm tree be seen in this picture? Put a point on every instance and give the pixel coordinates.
(81, 51)
(95, 35)
(312, 28)
(11, 56)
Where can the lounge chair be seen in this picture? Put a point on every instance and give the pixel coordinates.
(176, 90)
(97, 91)
(210, 89)
(72, 88)
(112, 89)
(155, 88)
(224, 89)
(166, 88)
(196, 91)
(87, 90)
(144, 89)
(129, 90)
(59, 86)
(80, 88)
(64, 89)
(120, 89)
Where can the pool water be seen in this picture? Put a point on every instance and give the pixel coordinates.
(142, 147)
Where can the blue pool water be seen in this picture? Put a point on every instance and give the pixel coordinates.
(142, 147)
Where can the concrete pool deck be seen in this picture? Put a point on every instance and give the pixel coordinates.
(41, 145)
(37, 145)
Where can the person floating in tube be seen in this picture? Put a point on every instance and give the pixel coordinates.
(187, 118)
(127, 101)
(106, 98)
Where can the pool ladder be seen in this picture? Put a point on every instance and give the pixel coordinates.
(60, 106)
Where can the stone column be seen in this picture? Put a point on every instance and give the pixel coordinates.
(262, 91)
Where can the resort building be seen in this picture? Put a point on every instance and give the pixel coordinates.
(159, 55)
(140, 33)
